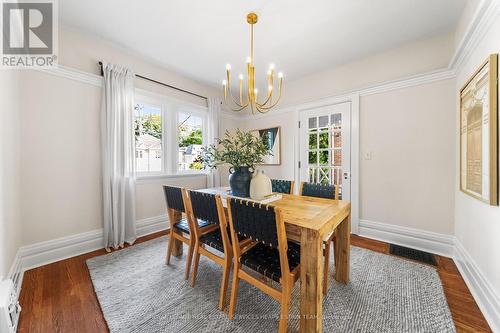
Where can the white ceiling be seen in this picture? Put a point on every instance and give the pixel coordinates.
(198, 37)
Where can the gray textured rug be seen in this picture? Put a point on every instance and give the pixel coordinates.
(139, 293)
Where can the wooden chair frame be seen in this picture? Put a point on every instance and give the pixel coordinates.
(328, 243)
(292, 186)
(200, 249)
(173, 217)
(287, 280)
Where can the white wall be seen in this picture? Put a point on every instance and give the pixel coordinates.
(410, 59)
(10, 226)
(409, 180)
(60, 157)
(288, 123)
(471, 6)
(60, 185)
(477, 225)
(410, 132)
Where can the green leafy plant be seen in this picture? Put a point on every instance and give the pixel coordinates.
(242, 149)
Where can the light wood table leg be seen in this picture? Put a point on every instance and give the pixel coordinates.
(343, 250)
(311, 282)
(177, 250)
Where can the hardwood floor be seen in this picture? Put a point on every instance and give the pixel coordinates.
(59, 297)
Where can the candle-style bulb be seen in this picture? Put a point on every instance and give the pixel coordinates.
(224, 82)
(256, 91)
(270, 87)
(271, 67)
(240, 76)
(249, 60)
(228, 67)
(280, 75)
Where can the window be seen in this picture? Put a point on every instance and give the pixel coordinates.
(169, 135)
(148, 138)
(190, 128)
(325, 149)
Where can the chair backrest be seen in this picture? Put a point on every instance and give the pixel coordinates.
(319, 190)
(261, 223)
(282, 186)
(207, 207)
(253, 220)
(173, 198)
(204, 206)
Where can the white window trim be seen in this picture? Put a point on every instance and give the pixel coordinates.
(201, 113)
(170, 109)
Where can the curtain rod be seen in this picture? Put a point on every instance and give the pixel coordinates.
(161, 83)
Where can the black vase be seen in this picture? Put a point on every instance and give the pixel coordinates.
(239, 181)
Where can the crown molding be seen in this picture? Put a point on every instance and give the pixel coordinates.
(378, 88)
(483, 18)
(410, 81)
(73, 74)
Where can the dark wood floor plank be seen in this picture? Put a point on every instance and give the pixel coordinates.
(60, 297)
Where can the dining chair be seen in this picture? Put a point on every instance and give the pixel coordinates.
(282, 186)
(326, 192)
(179, 226)
(208, 207)
(270, 255)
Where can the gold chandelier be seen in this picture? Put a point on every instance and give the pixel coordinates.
(252, 92)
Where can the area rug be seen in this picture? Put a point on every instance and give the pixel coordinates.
(139, 293)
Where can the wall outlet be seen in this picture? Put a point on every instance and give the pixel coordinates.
(368, 155)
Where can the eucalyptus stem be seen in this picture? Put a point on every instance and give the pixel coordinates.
(242, 149)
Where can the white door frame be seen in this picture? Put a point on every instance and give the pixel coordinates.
(354, 100)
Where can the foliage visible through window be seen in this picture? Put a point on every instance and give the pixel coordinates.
(324, 152)
(148, 138)
(190, 129)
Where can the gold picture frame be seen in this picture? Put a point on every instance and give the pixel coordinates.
(274, 137)
(479, 133)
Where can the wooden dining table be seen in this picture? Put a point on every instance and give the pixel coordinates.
(310, 221)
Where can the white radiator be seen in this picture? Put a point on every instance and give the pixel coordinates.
(9, 307)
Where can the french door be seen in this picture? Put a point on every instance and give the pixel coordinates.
(325, 146)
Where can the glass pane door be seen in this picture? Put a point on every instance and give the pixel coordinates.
(325, 147)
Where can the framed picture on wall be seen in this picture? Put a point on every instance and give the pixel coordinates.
(273, 139)
(479, 133)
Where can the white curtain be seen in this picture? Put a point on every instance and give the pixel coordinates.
(118, 172)
(214, 107)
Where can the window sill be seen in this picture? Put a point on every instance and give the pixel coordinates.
(141, 179)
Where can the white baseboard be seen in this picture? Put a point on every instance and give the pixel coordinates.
(16, 273)
(44, 253)
(432, 242)
(151, 225)
(485, 296)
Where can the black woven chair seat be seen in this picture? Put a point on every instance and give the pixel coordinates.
(214, 239)
(183, 225)
(266, 260)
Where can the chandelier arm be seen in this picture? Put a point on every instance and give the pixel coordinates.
(233, 99)
(267, 100)
(263, 107)
(239, 109)
(238, 106)
(263, 110)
